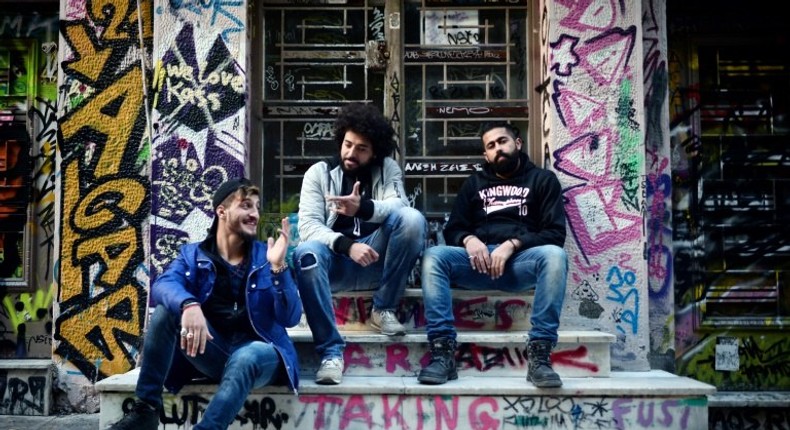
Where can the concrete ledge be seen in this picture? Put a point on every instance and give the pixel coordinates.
(457, 292)
(750, 399)
(33, 363)
(26, 386)
(300, 334)
(630, 400)
(480, 353)
(650, 383)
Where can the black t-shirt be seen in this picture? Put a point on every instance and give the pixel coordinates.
(226, 307)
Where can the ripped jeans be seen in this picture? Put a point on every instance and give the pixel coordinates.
(321, 272)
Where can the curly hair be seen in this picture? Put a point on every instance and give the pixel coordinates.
(368, 121)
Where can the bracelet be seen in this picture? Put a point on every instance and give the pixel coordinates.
(515, 247)
(279, 270)
(463, 242)
(189, 305)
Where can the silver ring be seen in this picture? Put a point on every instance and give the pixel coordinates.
(471, 257)
(190, 335)
(183, 332)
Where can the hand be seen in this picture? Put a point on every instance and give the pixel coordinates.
(194, 331)
(278, 249)
(478, 255)
(363, 254)
(499, 257)
(346, 205)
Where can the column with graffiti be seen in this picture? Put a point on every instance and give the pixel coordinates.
(199, 117)
(103, 190)
(592, 132)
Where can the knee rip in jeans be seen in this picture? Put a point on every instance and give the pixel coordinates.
(308, 261)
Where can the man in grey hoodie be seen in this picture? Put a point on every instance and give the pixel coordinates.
(357, 232)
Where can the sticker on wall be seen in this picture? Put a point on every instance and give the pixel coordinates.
(727, 354)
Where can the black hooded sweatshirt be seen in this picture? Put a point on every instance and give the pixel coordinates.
(527, 206)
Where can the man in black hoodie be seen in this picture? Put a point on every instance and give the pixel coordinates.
(506, 232)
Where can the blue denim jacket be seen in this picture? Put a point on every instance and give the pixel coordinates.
(273, 304)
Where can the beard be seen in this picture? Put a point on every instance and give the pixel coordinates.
(505, 164)
(356, 171)
(238, 228)
(247, 237)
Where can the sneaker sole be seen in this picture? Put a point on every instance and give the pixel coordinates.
(546, 384)
(394, 333)
(428, 380)
(328, 381)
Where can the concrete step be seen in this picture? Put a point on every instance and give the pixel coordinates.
(26, 386)
(578, 353)
(474, 310)
(625, 400)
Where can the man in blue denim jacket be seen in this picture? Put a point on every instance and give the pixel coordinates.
(226, 302)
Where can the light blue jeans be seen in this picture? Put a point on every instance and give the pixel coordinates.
(320, 272)
(544, 268)
(238, 366)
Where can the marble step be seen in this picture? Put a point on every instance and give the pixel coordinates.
(577, 354)
(630, 400)
(474, 310)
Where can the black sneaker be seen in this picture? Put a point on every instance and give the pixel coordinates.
(142, 417)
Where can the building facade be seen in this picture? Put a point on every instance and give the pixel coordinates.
(664, 122)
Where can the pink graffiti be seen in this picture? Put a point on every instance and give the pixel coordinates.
(577, 111)
(503, 319)
(588, 14)
(597, 224)
(572, 358)
(605, 57)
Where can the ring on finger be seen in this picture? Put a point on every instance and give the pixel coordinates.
(190, 335)
(183, 332)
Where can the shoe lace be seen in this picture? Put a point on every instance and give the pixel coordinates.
(331, 363)
(441, 352)
(388, 317)
(541, 354)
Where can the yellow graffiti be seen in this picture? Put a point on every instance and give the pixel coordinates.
(89, 59)
(31, 305)
(117, 127)
(107, 247)
(96, 210)
(70, 273)
(100, 317)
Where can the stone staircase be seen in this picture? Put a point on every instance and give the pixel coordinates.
(380, 389)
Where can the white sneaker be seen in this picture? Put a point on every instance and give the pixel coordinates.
(330, 372)
(387, 322)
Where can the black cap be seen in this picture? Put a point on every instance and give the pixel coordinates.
(227, 188)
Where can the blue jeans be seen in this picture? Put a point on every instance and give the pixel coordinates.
(238, 366)
(321, 272)
(544, 268)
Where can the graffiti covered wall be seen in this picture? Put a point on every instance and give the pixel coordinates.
(658, 187)
(104, 189)
(730, 234)
(593, 138)
(25, 317)
(199, 122)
